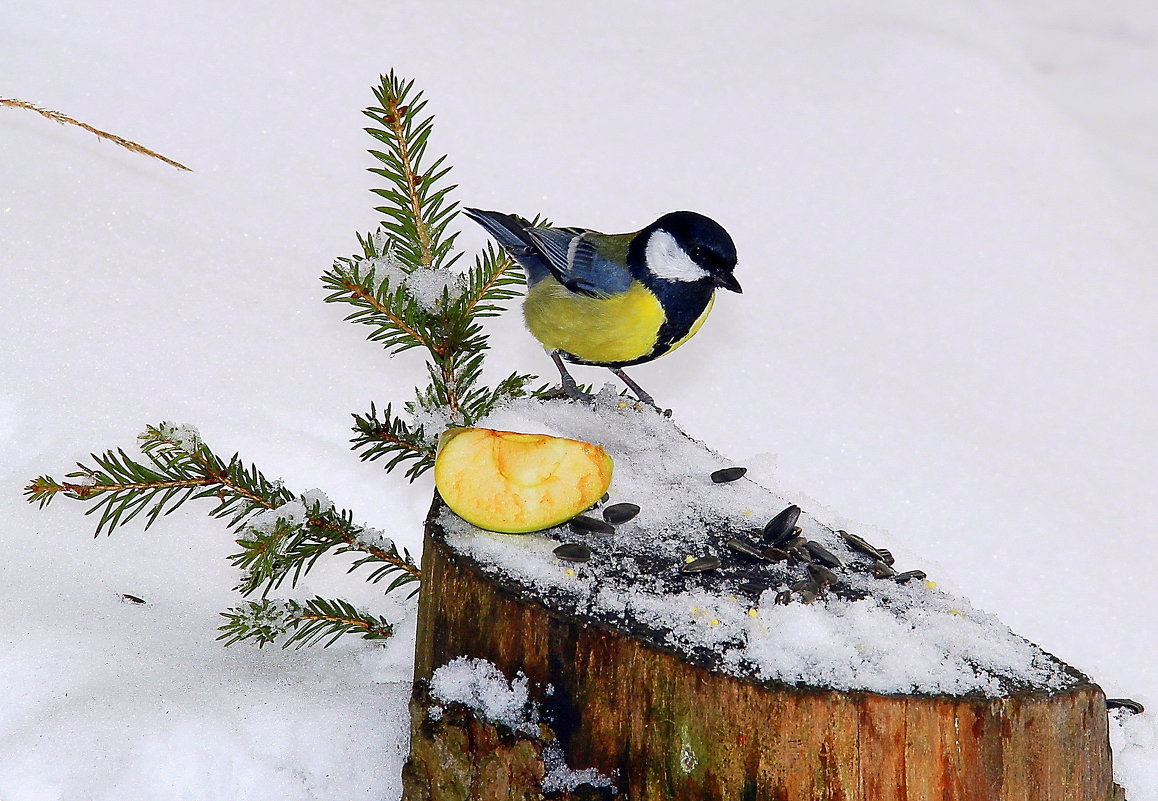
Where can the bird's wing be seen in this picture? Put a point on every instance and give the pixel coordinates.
(579, 259)
(510, 231)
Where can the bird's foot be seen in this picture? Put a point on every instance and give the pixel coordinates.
(568, 387)
(575, 393)
(643, 396)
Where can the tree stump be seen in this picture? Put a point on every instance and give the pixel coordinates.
(668, 722)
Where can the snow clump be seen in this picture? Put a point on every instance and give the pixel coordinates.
(186, 437)
(317, 499)
(428, 284)
(481, 686)
(375, 538)
(560, 777)
(291, 514)
(432, 422)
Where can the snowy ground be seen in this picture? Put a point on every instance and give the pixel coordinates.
(946, 220)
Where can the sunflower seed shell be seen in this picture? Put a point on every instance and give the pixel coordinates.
(776, 555)
(740, 546)
(728, 474)
(591, 525)
(822, 555)
(573, 552)
(1128, 704)
(859, 545)
(620, 513)
(702, 565)
(779, 529)
(822, 575)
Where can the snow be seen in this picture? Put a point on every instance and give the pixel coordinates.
(945, 215)
(291, 514)
(1134, 739)
(316, 499)
(890, 638)
(187, 437)
(561, 777)
(481, 686)
(932, 644)
(429, 286)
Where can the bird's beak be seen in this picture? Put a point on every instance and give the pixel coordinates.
(728, 281)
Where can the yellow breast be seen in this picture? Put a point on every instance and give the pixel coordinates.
(621, 328)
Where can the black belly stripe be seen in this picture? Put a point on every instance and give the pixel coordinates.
(683, 303)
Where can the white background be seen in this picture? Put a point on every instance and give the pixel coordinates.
(946, 219)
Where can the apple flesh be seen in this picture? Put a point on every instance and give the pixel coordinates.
(515, 483)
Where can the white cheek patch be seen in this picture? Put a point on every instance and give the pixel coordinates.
(666, 259)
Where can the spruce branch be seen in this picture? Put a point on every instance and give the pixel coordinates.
(267, 621)
(401, 285)
(494, 280)
(387, 435)
(397, 322)
(417, 208)
(281, 534)
(64, 119)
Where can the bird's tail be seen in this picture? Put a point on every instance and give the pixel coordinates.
(510, 231)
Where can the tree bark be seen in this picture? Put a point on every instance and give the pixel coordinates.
(668, 730)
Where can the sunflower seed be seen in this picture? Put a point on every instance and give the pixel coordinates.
(822, 575)
(886, 556)
(808, 590)
(620, 513)
(784, 597)
(775, 555)
(799, 553)
(780, 527)
(728, 474)
(909, 575)
(881, 570)
(591, 525)
(795, 542)
(1128, 704)
(133, 599)
(702, 565)
(573, 552)
(859, 545)
(822, 554)
(739, 546)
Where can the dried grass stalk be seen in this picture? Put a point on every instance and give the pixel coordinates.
(64, 119)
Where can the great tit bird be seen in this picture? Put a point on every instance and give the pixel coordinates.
(614, 300)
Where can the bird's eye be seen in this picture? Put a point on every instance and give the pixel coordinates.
(698, 253)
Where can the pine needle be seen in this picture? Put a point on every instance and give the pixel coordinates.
(64, 119)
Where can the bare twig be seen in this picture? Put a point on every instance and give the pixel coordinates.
(64, 119)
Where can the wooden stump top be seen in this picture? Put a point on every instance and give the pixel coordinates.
(748, 617)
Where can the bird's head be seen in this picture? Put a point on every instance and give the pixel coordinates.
(685, 246)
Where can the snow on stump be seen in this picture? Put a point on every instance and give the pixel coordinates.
(699, 653)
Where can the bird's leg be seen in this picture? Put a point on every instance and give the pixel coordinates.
(570, 388)
(636, 388)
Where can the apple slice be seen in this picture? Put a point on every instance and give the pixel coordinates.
(515, 483)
